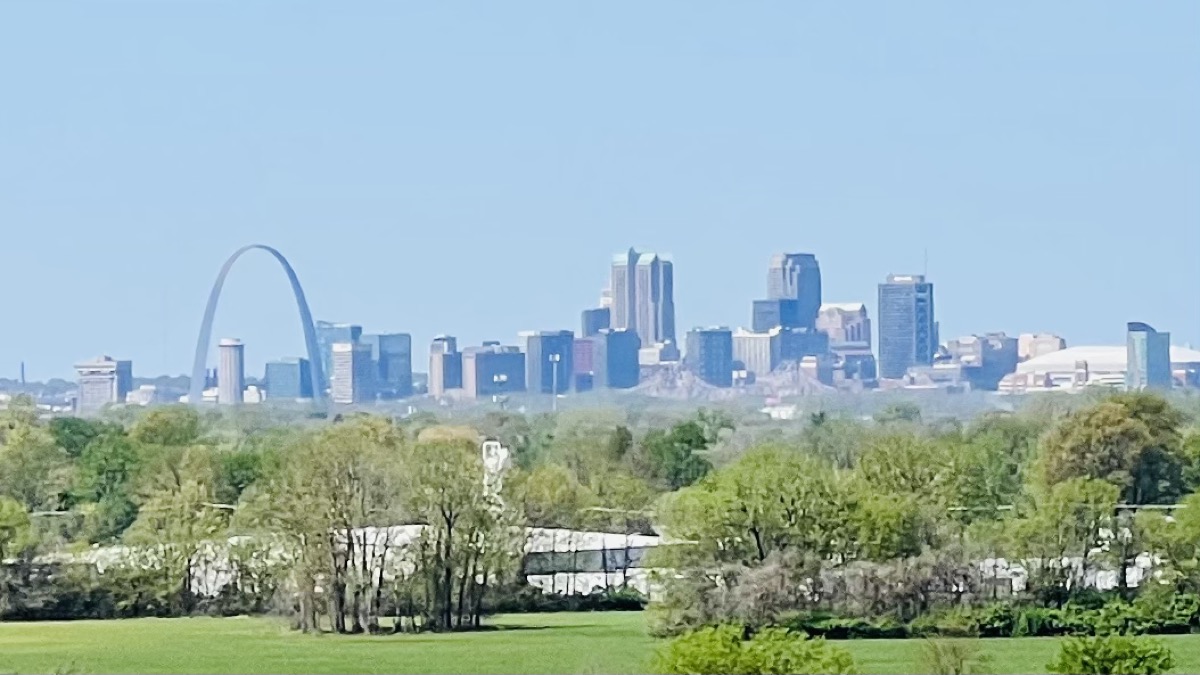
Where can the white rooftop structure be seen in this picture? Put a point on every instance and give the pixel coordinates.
(1076, 367)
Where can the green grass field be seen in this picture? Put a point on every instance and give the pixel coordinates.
(543, 643)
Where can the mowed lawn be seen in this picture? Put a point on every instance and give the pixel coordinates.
(542, 643)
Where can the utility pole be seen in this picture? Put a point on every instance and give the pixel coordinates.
(554, 361)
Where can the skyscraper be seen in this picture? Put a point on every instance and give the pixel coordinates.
(616, 359)
(907, 330)
(777, 313)
(796, 276)
(289, 380)
(549, 356)
(492, 369)
(102, 381)
(231, 371)
(643, 296)
(352, 378)
(328, 334)
(759, 352)
(845, 322)
(392, 354)
(592, 321)
(709, 355)
(445, 365)
(1148, 355)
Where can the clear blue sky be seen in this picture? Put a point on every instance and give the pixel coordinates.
(470, 167)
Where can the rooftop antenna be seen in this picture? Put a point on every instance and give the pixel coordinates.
(925, 266)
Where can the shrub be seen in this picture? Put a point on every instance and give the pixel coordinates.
(724, 649)
(847, 628)
(1112, 654)
(951, 657)
(524, 598)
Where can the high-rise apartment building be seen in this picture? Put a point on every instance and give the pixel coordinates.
(709, 354)
(102, 382)
(1148, 358)
(643, 296)
(796, 276)
(759, 352)
(231, 371)
(327, 335)
(907, 329)
(549, 356)
(392, 354)
(289, 380)
(352, 378)
(492, 370)
(445, 365)
(616, 358)
(592, 321)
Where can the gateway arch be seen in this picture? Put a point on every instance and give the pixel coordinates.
(199, 366)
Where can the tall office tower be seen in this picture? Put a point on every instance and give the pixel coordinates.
(352, 379)
(592, 321)
(1148, 354)
(845, 323)
(392, 354)
(797, 343)
(907, 330)
(778, 313)
(583, 363)
(445, 365)
(549, 357)
(616, 358)
(759, 352)
(796, 276)
(643, 296)
(330, 333)
(709, 355)
(231, 371)
(102, 382)
(289, 380)
(492, 370)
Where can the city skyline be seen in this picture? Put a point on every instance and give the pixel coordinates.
(328, 333)
(1028, 167)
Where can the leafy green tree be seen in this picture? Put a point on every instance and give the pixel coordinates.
(14, 527)
(770, 499)
(905, 411)
(171, 426)
(838, 440)
(673, 457)
(73, 434)
(1103, 442)
(177, 523)
(1066, 522)
(887, 527)
(33, 469)
(550, 496)
(468, 538)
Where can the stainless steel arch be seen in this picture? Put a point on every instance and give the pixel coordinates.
(199, 366)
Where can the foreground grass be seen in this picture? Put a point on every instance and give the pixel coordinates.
(539, 643)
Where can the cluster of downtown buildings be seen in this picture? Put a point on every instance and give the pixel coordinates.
(630, 338)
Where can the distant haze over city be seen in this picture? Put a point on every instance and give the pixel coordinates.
(1044, 180)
